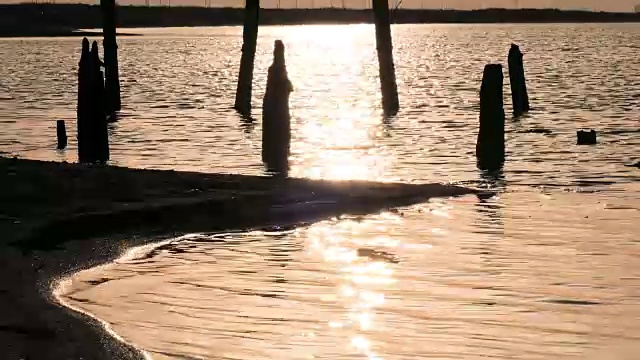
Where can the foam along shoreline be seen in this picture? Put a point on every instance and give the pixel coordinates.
(64, 286)
(58, 218)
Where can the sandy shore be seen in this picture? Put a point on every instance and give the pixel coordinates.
(58, 218)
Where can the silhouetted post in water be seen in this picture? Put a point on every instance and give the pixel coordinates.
(99, 132)
(384, 46)
(587, 137)
(61, 131)
(490, 145)
(519, 94)
(84, 116)
(112, 87)
(276, 120)
(249, 38)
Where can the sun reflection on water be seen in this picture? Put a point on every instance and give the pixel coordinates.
(339, 150)
(336, 135)
(361, 281)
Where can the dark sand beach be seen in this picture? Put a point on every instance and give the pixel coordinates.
(58, 218)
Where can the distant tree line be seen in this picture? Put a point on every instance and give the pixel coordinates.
(81, 16)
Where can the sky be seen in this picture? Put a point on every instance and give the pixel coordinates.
(598, 5)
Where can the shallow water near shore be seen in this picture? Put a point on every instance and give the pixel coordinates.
(547, 269)
(458, 279)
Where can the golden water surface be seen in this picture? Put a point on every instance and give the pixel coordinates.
(549, 268)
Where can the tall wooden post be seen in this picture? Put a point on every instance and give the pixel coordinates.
(276, 120)
(249, 43)
(491, 142)
(61, 131)
(390, 103)
(99, 135)
(85, 105)
(112, 76)
(519, 95)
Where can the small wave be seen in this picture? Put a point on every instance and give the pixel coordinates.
(571, 302)
(623, 131)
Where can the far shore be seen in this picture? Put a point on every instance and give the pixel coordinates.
(59, 218)
(52, 32)
(28, 19)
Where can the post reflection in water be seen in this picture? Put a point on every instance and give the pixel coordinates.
(361, 282)
(490, 220)
(489, 223)
(281, 256)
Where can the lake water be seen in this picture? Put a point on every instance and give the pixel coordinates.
(547, 269)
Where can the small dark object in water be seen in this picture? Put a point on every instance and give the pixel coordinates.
(61, 131)
(636, 165)
(491, 142)
(587, 137)
(519, 94)
(378, 255)
(276, 120)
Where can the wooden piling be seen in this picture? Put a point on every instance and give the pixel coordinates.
(587, 137)
(61, 131)
(384, 46)
(112, 84)
(519, 95)
(249, 43)
(84, 109)
(490, 146)
(276, 120)
(99, 138)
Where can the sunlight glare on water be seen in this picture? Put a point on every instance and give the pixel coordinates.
(337, 140)
(455, 279)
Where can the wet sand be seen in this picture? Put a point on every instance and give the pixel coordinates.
(59, 218)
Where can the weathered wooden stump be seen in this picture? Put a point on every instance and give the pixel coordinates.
(84, 117)
(249, 38)
(490, 146)
(519, 95)
(112, 85)
(61, 132)
(98, 128)
(389, 88)
(276, 120)
(587, 137)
